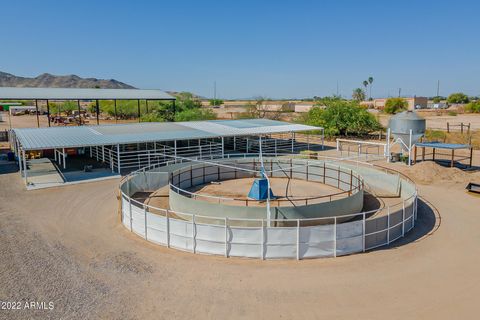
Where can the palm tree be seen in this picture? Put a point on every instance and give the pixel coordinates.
(358, 94)
(370, 81)
(365, 84)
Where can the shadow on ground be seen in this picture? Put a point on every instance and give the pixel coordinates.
(427, 223)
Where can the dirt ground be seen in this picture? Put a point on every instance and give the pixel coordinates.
(438, 121)
(297, 190)
(66, 245)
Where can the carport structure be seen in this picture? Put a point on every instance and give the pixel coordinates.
(127, 147)
(78, 94)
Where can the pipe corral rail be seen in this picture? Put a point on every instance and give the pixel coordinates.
(275, 238)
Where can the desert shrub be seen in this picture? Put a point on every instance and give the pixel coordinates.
(451, 113)
(435, 135)
(473, 107)
(195, 114)
(458, 97)
(215, 102)
(394, 105)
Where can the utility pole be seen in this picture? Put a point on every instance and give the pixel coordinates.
(399, 92)
(214, 93)
(337, 88)
(438, 88)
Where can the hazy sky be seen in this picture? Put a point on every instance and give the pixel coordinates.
(276, 49)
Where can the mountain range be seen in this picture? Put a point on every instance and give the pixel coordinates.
(47, 80)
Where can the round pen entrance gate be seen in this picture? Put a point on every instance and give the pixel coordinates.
(215, 227)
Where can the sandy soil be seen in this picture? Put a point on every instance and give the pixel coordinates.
(297, 189)
(439, 121)
(66, 245)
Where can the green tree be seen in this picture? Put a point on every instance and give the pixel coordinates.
(62, 107)
(154, 116)
(458, 97)
(437, 100)
(365, 84)
(195, 115)
(394, 105)
(186, 100)
(215, 102)
(343, 118)
(358, 94)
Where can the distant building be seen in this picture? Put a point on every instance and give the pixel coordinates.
(413, 103)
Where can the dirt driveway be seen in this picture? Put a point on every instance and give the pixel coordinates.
(67, 246)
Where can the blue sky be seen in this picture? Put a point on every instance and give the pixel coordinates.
(276, 49)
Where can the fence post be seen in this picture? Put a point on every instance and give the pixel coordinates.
(403, 218)
(168, 229)
(324, 172)
(338, 178)
(145, 215)
(335, 237)
(416, 205)
(298, 239)
(263, 241)
(226, 237)
(364, 231)
(388, 225)
(130, 208)
(194, 235)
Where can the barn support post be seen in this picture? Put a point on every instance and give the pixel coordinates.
(97, 109)
(223, 147)
(48, 113)
(138, 109)
(115, 110)
(36, 112)
(79, 113)
(25, 167)
(64, 158)
(175, 149)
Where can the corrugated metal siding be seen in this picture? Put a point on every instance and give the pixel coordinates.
(82, 94)
(84, 136)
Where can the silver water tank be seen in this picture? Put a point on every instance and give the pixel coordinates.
(401, 124)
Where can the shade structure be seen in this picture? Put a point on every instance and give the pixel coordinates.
(85, 136)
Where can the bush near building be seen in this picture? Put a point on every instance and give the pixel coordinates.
(458, 97)
(394, 105)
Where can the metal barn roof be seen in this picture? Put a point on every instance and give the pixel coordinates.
(84, 136)
(82, 94)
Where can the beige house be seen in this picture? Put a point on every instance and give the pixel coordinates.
(413, 103)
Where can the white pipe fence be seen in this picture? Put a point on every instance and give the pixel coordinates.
(290, 238)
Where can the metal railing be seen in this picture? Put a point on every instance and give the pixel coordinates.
(203, 234)
(353, 184)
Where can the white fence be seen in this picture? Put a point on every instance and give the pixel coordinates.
(181, 231)
(296, 238)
